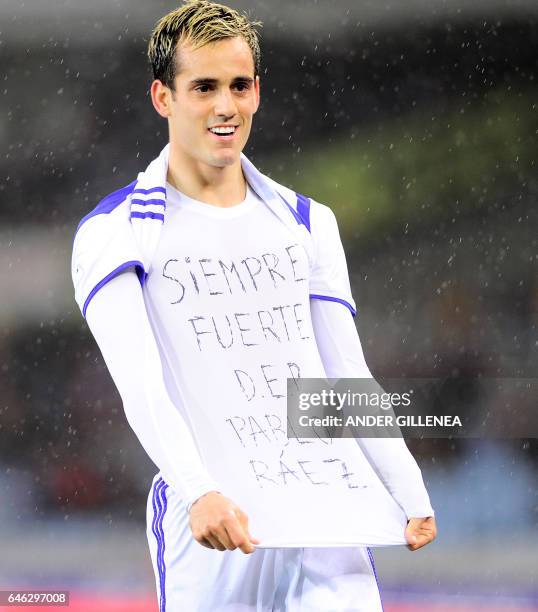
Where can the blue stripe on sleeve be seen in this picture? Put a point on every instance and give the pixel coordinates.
(328, 298)
(128, 264)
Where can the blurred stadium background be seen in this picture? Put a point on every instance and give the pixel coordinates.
(417, 123)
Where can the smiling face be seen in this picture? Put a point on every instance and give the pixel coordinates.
(215, 88)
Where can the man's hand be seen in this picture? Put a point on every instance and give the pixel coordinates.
(420, 531)
(216, 522)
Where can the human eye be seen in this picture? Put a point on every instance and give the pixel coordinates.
(203, 88)
(242, 86)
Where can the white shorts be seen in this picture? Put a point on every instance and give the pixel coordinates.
(192, 578)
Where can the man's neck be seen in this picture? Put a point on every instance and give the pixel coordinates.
(222, 187)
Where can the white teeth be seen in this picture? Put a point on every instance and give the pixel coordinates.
(223, 130)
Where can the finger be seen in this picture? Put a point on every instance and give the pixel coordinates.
(417, 525)
(215, 543)
(204, 542)
(420, 540)
(425, 531)
(239, 536)
(412, 539)
(222, 535)
(410, 535)
(231, 526)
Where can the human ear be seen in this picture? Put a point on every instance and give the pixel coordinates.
(161, 97)
(257, 91)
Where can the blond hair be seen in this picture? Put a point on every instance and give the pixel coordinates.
(199, 22)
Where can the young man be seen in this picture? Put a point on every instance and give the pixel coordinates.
(167, 272)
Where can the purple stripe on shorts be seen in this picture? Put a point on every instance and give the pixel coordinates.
(147, 215)
(159, 536)
(159, 509)
(162, 492)
(328, 298)
(371, 557)
(157, 484)
(109, 277)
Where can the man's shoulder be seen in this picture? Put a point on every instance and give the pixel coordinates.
(108, 204)
(104, 245)
(309, 210)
